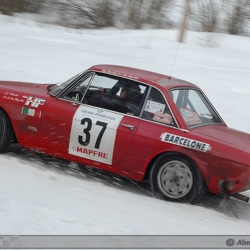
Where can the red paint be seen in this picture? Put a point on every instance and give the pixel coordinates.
(49, 131)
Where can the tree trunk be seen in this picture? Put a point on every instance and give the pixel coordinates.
(184, 22)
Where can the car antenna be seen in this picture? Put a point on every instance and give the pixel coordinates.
(170, 76)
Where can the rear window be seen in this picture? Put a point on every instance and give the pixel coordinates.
(194, 107)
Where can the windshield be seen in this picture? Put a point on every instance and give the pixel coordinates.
(61, 86)
(195, 108)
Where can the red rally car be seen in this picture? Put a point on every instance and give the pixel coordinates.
(135, 123)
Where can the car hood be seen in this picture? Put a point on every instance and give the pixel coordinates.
(224, 136)
(25, 87)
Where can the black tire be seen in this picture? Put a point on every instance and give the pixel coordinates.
(6, 132)
(177, 179)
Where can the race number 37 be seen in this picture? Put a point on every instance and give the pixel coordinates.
(86, 132)
(93, 134)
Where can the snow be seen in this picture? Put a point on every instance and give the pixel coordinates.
(42, 195)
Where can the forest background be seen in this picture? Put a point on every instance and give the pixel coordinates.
(215, 16)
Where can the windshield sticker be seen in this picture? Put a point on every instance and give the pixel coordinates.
(185, 142)
(153, 107)
(190, 117)
(93, 134)
(162, 117)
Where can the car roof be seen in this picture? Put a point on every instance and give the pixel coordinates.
(144, 76)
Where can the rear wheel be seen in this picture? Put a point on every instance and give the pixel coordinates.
(174, 178)
(6, 132)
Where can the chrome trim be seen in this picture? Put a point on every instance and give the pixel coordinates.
(130, 127)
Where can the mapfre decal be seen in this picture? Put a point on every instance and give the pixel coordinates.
(185, 142)
(93, 134)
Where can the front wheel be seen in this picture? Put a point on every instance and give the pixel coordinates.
(174, 178)
(6, 132)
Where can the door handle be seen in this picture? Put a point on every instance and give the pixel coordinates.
(130, 127)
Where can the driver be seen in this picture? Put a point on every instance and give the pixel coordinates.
(130, 95)
(130, 91)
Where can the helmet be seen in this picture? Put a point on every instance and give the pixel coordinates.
(130, 90)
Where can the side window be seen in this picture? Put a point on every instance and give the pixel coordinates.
(111, 92)
(156, 109)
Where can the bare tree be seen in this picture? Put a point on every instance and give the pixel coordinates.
(184, 21)
(32, 6)
(8, 7)
(140, 13)
(230, 16)
(106, 13)
(207, 15)
(238, 16)
(82, 14)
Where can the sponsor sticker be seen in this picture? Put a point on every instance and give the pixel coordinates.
(93, 134)
(34, 101)
(12, 96)
(185, 142)
(120, 74)
(190, 117)
(153, 107)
